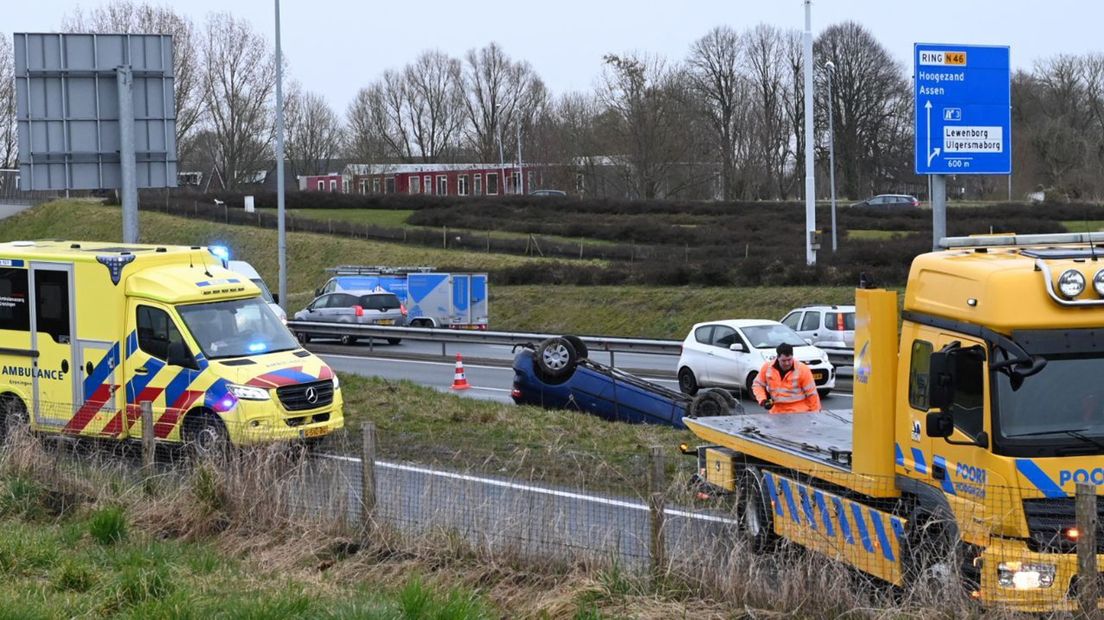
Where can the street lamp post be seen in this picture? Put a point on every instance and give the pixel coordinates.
(830, 68)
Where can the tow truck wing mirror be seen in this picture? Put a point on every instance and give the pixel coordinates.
(941, 380)
(939, 424)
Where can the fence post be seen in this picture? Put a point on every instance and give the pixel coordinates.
(657, 486)
(1087, 574)
(367, 473)
(149, 445)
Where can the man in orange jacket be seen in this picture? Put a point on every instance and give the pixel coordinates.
(786, 385)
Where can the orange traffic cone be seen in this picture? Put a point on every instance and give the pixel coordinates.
(459, 381)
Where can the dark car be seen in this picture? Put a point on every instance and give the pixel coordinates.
(889, 200)
(548, 192)
(556, 374)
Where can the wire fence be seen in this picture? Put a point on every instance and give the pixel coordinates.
(731, 527)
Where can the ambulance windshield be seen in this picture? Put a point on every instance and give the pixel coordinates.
(236, 328)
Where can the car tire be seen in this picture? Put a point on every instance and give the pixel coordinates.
(348, 340)
(13, 417)
(749, 383)
(303, 338)
(688, 383)
(710, 403)
(205, 435)
(756, 516)
(556, 358)
(394, 341)
(824, 392)
(580, 347)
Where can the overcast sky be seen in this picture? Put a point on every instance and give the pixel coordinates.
(335, 47)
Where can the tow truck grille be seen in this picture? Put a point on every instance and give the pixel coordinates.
(303, 396)
(1048, 518)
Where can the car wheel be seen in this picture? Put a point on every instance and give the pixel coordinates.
(712, 402)
(688, 383)
(556, 357)
(750, 382)
(756, 518)
(348, 339)
(394, 340)
(13, 416)
(823, 392)
(302, 338)
(580, 346)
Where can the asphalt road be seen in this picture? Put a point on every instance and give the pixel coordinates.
(8, 210)
(487, 382)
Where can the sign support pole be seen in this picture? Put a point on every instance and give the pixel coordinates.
(129, 189)
(281, 227)
(810, 172)
(939, 208)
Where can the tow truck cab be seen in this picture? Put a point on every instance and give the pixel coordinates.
(89, 331)
(973, 427)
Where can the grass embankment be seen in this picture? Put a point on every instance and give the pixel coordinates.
(631, 311)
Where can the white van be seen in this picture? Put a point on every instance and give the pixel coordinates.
(247, 270)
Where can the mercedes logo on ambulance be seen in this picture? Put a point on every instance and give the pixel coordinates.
(312, 395)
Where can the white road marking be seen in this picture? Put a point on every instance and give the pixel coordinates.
(531, 489)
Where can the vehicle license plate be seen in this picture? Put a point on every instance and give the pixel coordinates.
(385, 322)
(315, 432)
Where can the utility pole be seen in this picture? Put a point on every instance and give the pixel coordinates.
(830, 69)
(281, 230)
(810, 181)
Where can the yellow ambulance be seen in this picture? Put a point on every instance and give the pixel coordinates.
(89, 331)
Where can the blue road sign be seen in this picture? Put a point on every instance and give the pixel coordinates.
(963, 109)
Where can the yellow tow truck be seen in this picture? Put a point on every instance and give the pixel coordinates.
(970, 427)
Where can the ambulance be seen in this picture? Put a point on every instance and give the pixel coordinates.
(89, 331)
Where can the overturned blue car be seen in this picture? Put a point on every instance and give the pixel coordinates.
(557, 374)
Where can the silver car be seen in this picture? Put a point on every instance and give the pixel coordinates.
(375, 307)
(831, 328)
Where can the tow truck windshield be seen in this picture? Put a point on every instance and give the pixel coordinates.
(237, 328)
(1055, 412)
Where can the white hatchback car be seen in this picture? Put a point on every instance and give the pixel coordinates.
(729, 354)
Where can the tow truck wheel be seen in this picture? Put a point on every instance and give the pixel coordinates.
(688, 383)
(749, 383)
(756, 518)
(13, 416)
(556, 357)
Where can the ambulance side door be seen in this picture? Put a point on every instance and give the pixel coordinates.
(58, 393)
(159, 368)
(16, 354)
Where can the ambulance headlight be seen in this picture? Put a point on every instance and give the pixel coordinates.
(248, 392)
(1025, 576)
(1098, 283)
(1071, 283)
(337, 384)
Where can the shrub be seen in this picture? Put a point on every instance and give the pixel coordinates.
(108, 525)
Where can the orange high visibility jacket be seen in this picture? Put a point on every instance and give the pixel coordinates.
(794, 392)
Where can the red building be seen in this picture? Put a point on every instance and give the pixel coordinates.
(442, 179)
(332, 182)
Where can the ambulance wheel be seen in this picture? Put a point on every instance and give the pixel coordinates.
(688, 383)
(348, 340)
(13, 416)
(756, 516)
(556, 357)
(750, 383)
(394, 340)
(302, 337)
(205, 435)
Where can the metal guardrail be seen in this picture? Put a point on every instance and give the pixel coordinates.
(594, 343)
(838, 357)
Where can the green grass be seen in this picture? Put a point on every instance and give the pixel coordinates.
(1083, 225)
(555, 446)
(654, 312)
(42, 575)
(876, 235)
(394, 218)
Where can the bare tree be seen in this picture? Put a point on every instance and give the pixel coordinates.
(715, 76)
(314, 135)
(499, 95)
(769, 68)
(238, 84)
(124, 16)
(644, 97)
(434, 104)
(869, 90)
(9, 139)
